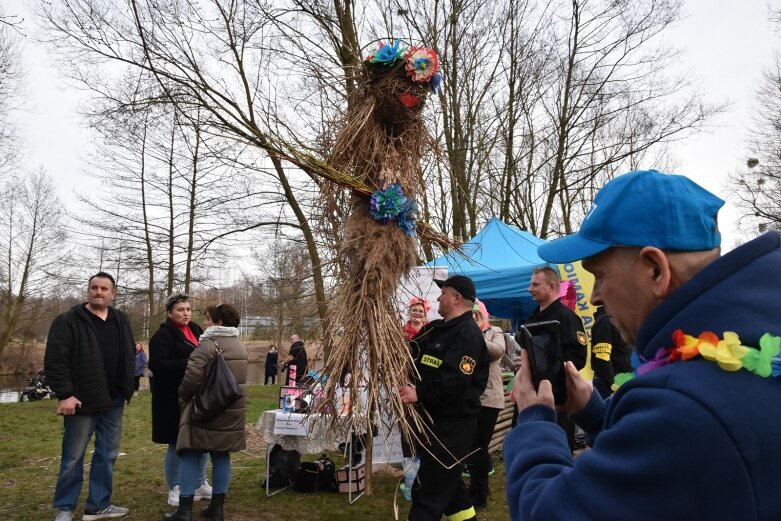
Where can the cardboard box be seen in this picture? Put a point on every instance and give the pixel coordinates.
(357, 474)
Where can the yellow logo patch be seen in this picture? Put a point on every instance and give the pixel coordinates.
(467, 365)
(602, 351)
(431, 361)
(582, 338)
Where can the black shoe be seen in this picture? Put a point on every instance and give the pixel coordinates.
(479, 499)
(214, 511)
(184, 512)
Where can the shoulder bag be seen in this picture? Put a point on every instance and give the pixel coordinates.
(218, 391)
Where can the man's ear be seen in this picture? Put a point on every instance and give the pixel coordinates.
(657, 270)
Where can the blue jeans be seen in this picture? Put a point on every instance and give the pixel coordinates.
(221, 471)
(172, 466)
(107, 427)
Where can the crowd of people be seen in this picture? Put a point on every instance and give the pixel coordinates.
(95, 366)
(679, 416)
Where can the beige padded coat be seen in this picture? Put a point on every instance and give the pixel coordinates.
(226, 432)
(493, 396)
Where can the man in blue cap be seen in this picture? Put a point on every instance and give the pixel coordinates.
(694, 433)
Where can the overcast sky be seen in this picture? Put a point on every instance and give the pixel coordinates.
(727, 44)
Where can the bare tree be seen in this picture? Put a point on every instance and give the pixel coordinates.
(546, 100)
(173, 193)
(11, 78)
(32, 252)
(757, 187)
(214, 56)
(285, 288)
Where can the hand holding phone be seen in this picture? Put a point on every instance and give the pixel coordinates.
(542, 342)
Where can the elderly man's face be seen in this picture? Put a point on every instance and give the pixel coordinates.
(623, 283)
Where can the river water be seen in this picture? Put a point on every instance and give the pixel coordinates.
(10, 385)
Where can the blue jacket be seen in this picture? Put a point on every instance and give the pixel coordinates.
(141, 361)
(688, 441)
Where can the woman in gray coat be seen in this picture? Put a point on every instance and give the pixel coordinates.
(224, 434)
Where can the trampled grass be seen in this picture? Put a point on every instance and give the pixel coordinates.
(30, 438)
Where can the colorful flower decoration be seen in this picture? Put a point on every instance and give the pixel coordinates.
(422, 64)
(392, 205)
(727, 352)
(387, 54)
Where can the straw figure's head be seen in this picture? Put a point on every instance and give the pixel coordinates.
(399, 79)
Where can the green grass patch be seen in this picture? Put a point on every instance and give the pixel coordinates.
(30, 445)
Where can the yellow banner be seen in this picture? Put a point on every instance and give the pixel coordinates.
(583, 282)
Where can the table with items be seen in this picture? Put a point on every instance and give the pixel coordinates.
(306, 434)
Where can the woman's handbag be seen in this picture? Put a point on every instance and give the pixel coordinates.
(218, 391)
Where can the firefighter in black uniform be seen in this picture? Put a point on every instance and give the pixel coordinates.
(452, 361)
(544, 288)
(609, 353)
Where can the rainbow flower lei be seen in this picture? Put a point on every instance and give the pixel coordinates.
(727, 352)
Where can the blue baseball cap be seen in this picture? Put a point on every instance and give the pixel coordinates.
(643, 208)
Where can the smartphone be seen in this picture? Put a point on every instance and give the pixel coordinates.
(542, 341)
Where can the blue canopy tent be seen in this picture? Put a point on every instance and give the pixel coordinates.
(500, 260)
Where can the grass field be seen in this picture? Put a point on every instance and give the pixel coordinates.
(31, 434)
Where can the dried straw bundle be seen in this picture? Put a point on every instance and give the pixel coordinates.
(381, 142)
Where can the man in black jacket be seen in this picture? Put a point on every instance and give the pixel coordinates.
(89, 364)
(544, 287)
(452, 361)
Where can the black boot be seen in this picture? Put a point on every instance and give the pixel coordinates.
(214, 511)
(184, 512)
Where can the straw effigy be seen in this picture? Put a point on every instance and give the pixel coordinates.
(380, 146)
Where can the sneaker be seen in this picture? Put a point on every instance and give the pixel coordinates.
(64, 515)
(109, 512)
(203, 492)
(173, 496)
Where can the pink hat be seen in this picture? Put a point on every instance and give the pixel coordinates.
(483, 311)
(422, 301)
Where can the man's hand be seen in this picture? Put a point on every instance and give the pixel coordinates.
(67, 407)
(523, 393)
(578, 390)
(408, 394)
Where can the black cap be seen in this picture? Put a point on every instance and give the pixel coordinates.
(460, 283)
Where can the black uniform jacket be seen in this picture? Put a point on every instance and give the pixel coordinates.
(452, 361)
